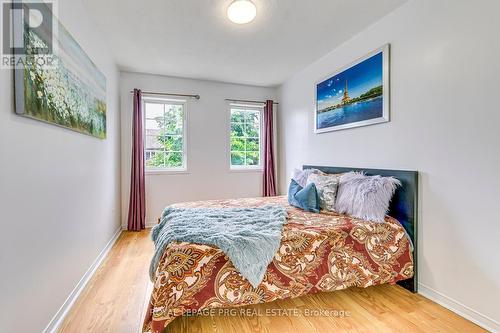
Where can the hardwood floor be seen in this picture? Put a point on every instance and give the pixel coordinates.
(115, 300)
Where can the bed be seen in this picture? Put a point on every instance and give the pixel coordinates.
(318, 253)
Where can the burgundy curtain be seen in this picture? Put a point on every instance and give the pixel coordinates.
(137, 203)
(269, 181)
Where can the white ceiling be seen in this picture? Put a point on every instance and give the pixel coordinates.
(193, 38)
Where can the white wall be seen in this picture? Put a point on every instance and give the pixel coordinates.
(445, 74)
(59, 195)
(208, 175)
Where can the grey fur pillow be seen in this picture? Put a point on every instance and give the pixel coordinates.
(365, 197)
(326, 186)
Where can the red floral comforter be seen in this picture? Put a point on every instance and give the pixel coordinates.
(318, 252)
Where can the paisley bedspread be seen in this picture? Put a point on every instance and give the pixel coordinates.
(318, 252)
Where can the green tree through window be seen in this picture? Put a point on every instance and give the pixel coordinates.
(164, 135)
(245, 137)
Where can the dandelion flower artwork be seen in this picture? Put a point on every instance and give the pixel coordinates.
(71, 93)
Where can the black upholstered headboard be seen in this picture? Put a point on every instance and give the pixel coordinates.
(404, 205)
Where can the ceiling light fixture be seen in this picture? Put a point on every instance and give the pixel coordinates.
(241, 11)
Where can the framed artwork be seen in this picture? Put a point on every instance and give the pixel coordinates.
(71, 92)
(356, 95)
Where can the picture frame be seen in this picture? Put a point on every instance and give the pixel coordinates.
(71, 92)
(367, 78)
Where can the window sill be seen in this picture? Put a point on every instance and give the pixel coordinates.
(255, 170)
(167, 172)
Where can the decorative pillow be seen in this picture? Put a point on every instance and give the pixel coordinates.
(326, 186)
(305, 198)
(365, 197)
(300, 176)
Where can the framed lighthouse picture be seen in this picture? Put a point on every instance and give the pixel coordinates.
(356, 95)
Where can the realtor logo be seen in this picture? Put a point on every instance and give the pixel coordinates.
(27, 33)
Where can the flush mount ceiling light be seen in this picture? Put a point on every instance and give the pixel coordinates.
(241, 11)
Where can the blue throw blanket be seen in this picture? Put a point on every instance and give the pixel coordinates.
(250, 237)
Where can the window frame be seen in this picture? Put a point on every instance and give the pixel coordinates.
(244, 108)
(168, 101)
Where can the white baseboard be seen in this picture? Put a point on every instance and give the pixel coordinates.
(149, 225)
(58, 318)
(462, 310)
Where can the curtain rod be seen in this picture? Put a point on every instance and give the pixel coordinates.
(168, 94)
(247, 101)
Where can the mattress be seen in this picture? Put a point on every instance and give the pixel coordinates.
(318, 253)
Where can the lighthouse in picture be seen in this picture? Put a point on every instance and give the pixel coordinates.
(346, 97)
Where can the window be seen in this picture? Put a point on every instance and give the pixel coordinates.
(165, 135)
(246, 137)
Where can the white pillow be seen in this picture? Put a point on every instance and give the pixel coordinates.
(326, 185)
(300, 176)
(365, 197)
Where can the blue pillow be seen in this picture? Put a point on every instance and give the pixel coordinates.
(305, 198)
